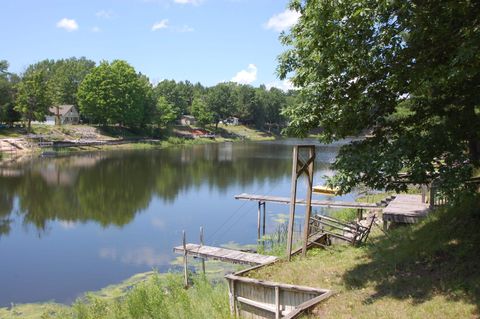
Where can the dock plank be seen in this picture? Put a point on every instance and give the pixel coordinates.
(224, 254)
(314, 202)
(406, 209)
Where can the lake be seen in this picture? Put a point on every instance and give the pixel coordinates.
(75, 223)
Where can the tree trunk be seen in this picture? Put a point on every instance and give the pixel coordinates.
(474, 149)
(29, 125)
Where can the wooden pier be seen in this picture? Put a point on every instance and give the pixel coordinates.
(318, 203)
(223, 254)
(406, 209)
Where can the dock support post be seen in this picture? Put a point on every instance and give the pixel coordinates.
(359, 214)
(201, 243)
(264, 204)
(259, 219)
(185, 271)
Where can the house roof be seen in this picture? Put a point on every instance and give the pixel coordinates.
(62, 109)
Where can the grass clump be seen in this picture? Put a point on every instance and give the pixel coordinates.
(427, 270)
(154, 296)
(159, 298)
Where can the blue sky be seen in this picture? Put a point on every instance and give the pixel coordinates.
(207, 41)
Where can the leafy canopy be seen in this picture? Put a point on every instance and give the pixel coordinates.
(33, 100)
(408, 72)
(114, 93)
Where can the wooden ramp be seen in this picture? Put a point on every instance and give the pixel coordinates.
(407, 209)
(322, 203)
(223, 254)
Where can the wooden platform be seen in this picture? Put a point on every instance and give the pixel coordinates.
(223, 254)
(408, 209)
(321, 203)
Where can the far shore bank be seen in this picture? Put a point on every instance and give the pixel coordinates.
(53, 140)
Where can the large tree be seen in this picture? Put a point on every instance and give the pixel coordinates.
(67, 74)
(408, 71)
(113, 93)
(8, 82)
(33, 99)
(222, 101)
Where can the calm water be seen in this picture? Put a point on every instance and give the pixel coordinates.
(76, 223)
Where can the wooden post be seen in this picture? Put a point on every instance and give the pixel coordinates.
(201, 243)
(259, 219)
(185, 272)
(308, 211)
(231, 296)
(277, 302)
(359, 214)
(264, 218)
(293, 199)
(298, 168)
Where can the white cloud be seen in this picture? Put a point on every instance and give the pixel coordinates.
(284, 85)
(283, 21)
(185, 28)
(104, 14)
(96, 29)
(67, 24)
(194, 2)
(246, 76)
(160, 25)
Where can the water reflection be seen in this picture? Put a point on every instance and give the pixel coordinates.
(111, 188)
(88, 220)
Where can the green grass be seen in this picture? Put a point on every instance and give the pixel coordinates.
(428, 270)
(149, 296)
(244, 132)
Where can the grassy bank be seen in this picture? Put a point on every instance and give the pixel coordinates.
(424, 271)
(178, 135)
(148, 295)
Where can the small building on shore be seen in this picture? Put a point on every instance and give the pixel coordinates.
(188, 120)
(63, 114)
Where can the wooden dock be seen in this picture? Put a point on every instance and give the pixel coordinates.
(223, 254)
(406, 209)
(321, 203)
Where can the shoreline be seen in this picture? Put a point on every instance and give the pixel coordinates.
(26, 149)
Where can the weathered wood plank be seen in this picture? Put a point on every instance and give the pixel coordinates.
(223, 254)
(272, 284)
(407, 209)
(321, 203)
(306, 305)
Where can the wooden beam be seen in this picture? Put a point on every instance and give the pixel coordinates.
(314, 202)
(277, 303)
(185, 271)
(224, 254)
(293, 199)
(306, 305)
(308, 211)
(272, 284)
(259, 220)
(201, 243)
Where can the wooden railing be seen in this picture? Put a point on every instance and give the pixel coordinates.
(258, 299)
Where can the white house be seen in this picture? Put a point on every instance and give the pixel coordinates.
(188, 120)
(63, 114)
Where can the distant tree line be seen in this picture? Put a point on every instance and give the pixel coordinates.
(114, 93)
